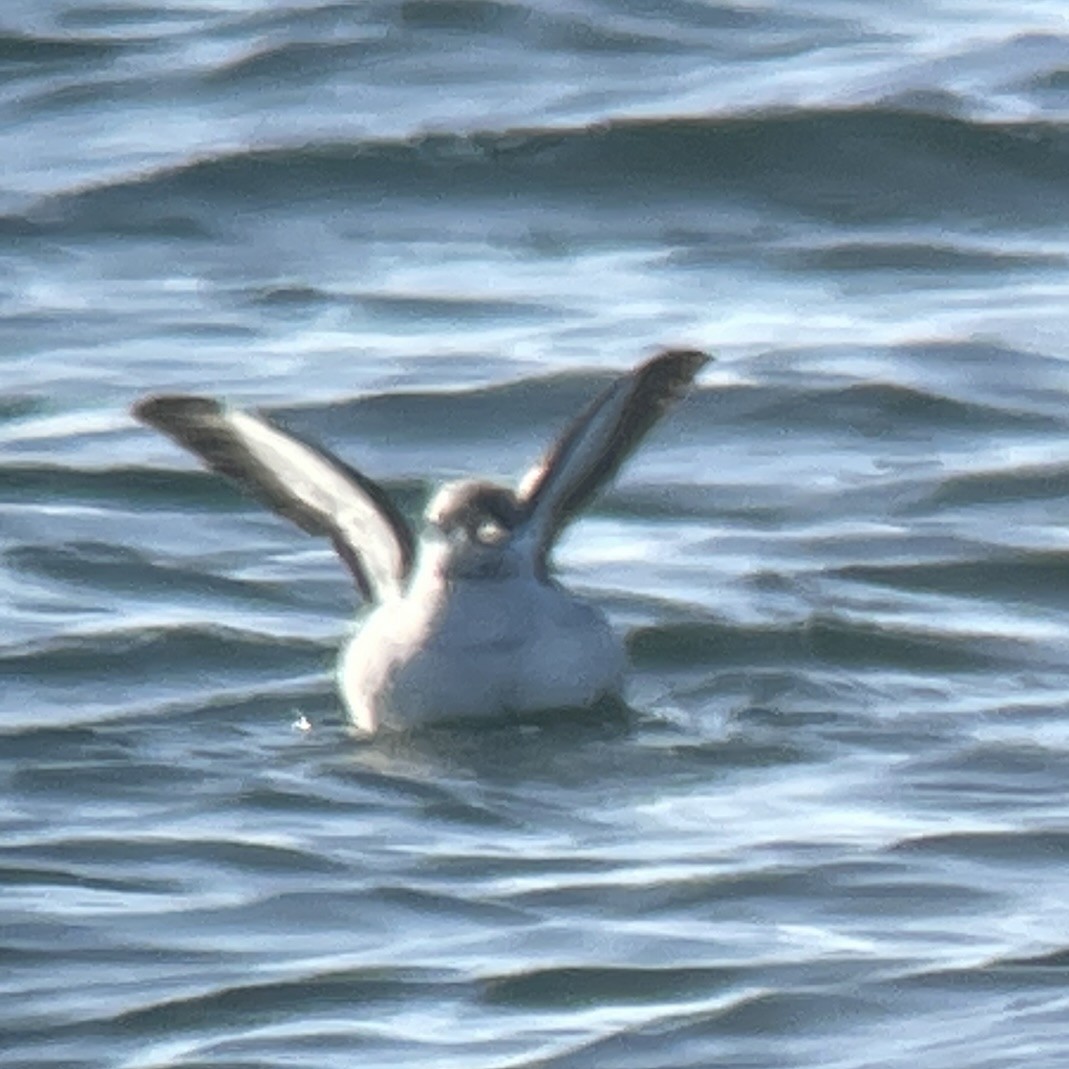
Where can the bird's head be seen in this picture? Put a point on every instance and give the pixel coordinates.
(478, 520)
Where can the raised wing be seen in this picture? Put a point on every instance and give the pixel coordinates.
(306, 484)
(590, 451)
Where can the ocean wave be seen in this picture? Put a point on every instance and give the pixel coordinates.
(30, 51)
(407, 29)
(1036, 577)
(889, 409)
(823, 638)
(918, 257)
(125, 570)
(193, 649)
(263, 1001)
(616, 985)
(14, 407)
(120, 485)
(538, 406)
(1024, 482)
(1017, 846)
(863, 164)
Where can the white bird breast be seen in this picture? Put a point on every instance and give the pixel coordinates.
(475, 648)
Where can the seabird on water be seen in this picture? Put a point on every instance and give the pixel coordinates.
(468, 622)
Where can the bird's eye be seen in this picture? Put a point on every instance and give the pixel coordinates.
(491, 533)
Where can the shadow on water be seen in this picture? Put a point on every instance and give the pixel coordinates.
(555, 744)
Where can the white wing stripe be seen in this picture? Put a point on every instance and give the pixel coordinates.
(590, 451)
(304, 483)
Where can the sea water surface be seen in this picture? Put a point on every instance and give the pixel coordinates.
(835, 831)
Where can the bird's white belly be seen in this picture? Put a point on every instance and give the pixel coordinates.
(478, 649)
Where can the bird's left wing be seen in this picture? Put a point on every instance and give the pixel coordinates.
(590, 451)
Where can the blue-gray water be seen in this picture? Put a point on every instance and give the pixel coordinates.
(836, 832)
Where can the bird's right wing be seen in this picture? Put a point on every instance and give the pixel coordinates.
(307, 484)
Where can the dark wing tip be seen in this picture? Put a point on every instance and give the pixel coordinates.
(672, 371)
(166, 411)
